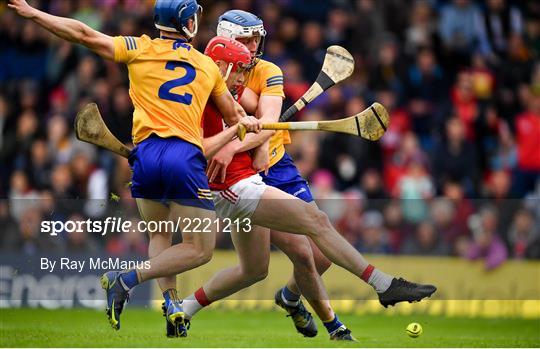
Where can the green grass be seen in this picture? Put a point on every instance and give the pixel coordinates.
(218, 328)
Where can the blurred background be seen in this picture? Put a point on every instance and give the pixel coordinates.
(457, 174)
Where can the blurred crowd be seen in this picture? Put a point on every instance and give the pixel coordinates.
(458, 172)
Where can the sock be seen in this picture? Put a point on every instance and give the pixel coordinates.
(289, 297)
(376, 278)
(195, 302)
(333, 325)
(129, 279)
(170, 295)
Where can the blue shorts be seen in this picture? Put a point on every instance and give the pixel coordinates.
(170, 169)
(285, 176)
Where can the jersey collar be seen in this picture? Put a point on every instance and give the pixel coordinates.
(174, 39)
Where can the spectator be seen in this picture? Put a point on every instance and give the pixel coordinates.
(388, 71)
(464, 207)
(458, 29)
(397, 166)
(10, 230)
(92, 184)
(80, 241)
(426, 242)
(465, 105)
(324, 192)
(487, 244)
(443, 218)
(350, 223)
(398, 229)
(455, 159)
(426, 88)
(31, 241)
(415, 189)
(523, 235)
(498, 195)
(372, 187)
(528, 139)
(40, 165)
(505, 154)
(495, 25)
(374, 237)
(22, 196)
(422, 31)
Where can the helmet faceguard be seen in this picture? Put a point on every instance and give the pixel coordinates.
(173, 16)
(237, 24)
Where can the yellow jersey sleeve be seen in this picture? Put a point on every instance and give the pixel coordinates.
(127, 48)
(272, 81)
(266, 79)
(219, 87)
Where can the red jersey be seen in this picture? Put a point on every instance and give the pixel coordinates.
(528, 141)
(240, 166)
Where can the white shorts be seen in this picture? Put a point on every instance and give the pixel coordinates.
(241, 199)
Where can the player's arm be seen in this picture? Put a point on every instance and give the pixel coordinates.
(67, 29)
(232, 111)
(249, 101)
(268, 111)
(213, 144)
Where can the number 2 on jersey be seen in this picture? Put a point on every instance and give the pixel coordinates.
(165, 89)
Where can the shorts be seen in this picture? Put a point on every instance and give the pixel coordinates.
(170, 169)
(241, 199)
(285, 176)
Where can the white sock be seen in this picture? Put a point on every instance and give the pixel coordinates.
(191, 306)
(380, 281)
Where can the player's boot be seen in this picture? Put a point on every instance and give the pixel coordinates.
(174, 330)
(303, 320)
(171, 331)
(117, 296)
(177, 325)
(401, 290)
(342, 334)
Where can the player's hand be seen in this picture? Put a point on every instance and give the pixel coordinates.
(261, 159)
(251, 123)
(22, 8)
(218, 165)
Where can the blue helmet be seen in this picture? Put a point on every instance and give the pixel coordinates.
(236, 24)
(173, 16)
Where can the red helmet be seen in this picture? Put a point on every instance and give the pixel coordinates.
(230, 51)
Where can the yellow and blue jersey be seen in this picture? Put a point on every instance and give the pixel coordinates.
(170, 84)
(266, 79)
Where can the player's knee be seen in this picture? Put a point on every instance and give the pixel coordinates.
(203, 255)
(302, 257)
(319, 222)
(255, 274)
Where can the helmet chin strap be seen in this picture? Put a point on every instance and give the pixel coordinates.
(191, 34)
(229, 69)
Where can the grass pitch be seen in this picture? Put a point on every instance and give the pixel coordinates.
(218, 328)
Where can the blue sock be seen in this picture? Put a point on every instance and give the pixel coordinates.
(333, 325)
(129, 279)
(167, 298)
(170, 295)
(289, 295)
